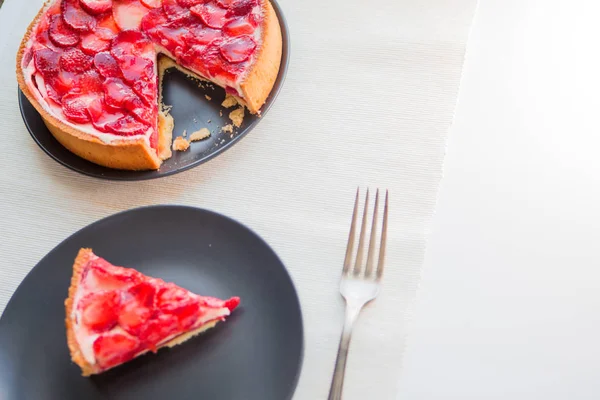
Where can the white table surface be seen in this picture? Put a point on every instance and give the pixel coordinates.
(293, 179)
(509, 305)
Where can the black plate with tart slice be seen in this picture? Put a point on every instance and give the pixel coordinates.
(256, 355)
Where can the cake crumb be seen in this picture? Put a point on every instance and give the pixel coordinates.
(180, 144)
(229, 101)
(184, 134)
(209, 121)
(220, 113)
(200, 135)
(208, 97)
(237, 116)
(227, 128)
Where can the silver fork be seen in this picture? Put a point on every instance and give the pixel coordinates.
(359, 285)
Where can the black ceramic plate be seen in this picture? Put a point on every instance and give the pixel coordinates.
(255, 355)
(191, 111)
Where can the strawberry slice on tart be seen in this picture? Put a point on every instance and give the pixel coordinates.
(115, 314)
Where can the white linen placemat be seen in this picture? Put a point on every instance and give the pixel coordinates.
(368, 100)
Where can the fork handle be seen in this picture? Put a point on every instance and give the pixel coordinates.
(337, 384)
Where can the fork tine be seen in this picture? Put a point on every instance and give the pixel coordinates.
(371, 253)
(350, 246)
(381, 262)
(361, 238)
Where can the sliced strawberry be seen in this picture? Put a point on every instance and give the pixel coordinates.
(43, 38)
(211, 14)
(225, 3)
(105, 117)
(155, 18)
(136, 68)
(186, 313)
(241, 7)
(53, 94)
(103, 274)
(171, 38)
(206, 59)
(99, 309)
(63, 82)
(96, 7)
(27, 56)
(62, 34)
(169, 295)
(176, 12)
(47, 61)
(132, 318)
(107, 65)
(107, 28)
(128, 14)
(127, 126)
(114, 349)
(143, 114)
(138, 307)
(146, 91)
(158, 329)
(119, 95)
(238, 49)
(190, 3)
(92, 44)
(202, 35)
(76, 106)
(96, 108)
(241, 26)
(232, 303)
(193, 57)
(152, 3)
(129, 43)
(90, 82)
(180, 303)
(44, 24)
(74, 60)
(76, 17)
(211, 302)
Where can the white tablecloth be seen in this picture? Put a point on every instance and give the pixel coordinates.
(368, 101)
(508, 305)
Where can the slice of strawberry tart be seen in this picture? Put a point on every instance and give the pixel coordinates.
(115, 314)
(90, 68)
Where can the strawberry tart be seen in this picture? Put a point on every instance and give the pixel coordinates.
(115, 314)
(91, 69)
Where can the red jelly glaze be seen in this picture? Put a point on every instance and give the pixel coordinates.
(149, 310)
(100, 74)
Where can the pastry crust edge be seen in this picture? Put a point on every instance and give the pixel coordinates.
(83, 257)
(260, 80)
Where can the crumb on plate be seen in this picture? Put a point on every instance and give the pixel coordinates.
(229, 101)
(227, 128)
(200, 135)
(180, 144)
(237, 116)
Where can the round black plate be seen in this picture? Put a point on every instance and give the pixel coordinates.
(255, 355)
(191, 111)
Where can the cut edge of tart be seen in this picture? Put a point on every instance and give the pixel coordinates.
(141, 151)
(75, 317)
